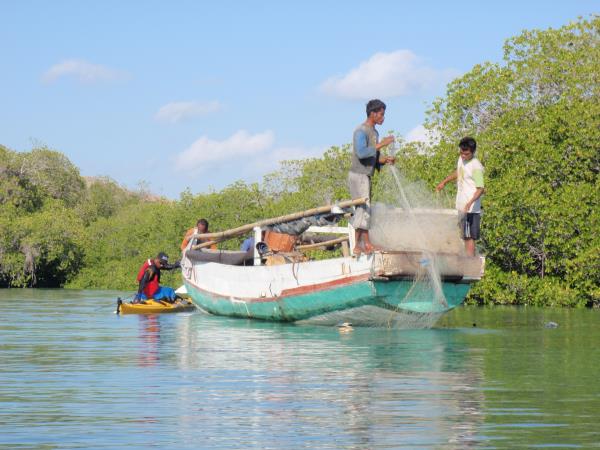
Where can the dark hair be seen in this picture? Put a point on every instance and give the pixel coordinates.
(468, 143)
(374, 106)
(203, 222)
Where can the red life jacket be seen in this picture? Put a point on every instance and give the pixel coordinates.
(153, 284)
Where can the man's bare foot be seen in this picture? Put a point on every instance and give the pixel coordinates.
(370, 248)
(357, 251)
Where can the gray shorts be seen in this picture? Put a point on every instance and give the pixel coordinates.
(360, 187)
(469, 225)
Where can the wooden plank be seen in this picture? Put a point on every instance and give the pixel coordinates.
(322, 244)
(392, 264)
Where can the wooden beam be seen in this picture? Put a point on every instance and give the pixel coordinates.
(227, 234)
(322, 244)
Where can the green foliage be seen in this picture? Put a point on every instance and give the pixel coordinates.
(17, 191)
(40, 233)
(305, 184)
(116, 247)
(104, 198)
(513, 288)
(40, 249)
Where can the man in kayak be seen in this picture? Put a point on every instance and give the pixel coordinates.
(149, 280)
(201, 227)
(366, 157)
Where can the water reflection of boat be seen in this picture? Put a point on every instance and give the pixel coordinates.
(420, 386)
(386, 287)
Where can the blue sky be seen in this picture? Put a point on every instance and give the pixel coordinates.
(198, 94)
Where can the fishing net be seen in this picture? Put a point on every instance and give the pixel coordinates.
(373, 316)
(409, 217)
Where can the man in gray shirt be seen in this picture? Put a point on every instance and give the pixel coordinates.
(366, 157)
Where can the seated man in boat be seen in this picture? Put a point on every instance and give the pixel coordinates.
(149, 280)
(201, 227)
(247, 244)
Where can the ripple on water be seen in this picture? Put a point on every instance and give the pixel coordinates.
(76, 375)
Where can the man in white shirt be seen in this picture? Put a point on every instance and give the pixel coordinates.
(470, 188)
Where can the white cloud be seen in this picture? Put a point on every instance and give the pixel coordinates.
(205, 152)
(385, 75)
(82, 71)
(177, 111)
(417, 134)
(273, 156)
(287, 153)
(422, 134)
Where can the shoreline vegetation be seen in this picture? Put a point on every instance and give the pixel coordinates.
(536, 118)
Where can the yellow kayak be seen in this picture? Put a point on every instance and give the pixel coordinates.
(152, 306)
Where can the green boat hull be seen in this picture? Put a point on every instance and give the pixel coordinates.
(397, 296)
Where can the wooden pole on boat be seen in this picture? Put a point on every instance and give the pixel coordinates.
(322, 244)
(224, 235)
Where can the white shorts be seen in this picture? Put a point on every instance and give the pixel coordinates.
(360, 187)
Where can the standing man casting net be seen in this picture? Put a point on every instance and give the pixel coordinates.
(366, 158)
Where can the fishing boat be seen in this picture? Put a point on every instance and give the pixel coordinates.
(387, 287)
(152, 306)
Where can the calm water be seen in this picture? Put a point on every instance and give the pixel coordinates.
(74, 375)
